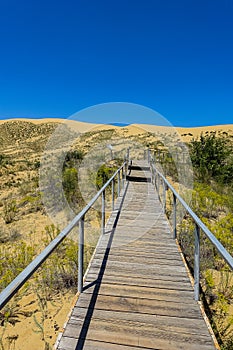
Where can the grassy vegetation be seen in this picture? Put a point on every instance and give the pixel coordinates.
(212, 198)
(20, 200)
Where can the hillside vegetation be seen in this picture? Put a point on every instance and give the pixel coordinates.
(212, 201)
(41, 307)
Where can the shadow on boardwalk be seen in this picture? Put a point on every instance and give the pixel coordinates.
(97, 282)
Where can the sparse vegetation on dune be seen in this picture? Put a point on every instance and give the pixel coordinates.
(26, 230)
(42, 305)
(212, 198)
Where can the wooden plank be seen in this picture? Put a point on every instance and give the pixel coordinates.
(153, 279)
(143, 292)
(69, 343)
(164, 250)
(182, 284)
(179, 325)
(138, 334)
(140, 305)
(143, 268)
(137, 259)
(156, 254)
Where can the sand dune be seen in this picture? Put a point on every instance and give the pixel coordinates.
(186, 134)
(195, 131)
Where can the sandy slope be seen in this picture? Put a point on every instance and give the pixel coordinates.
(133, 129)
(194, 132)
(79, 126)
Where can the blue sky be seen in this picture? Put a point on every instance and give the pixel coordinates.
(174, 56)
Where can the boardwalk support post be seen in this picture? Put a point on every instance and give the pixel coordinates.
(152, 175)
(123, 178)
(113, 194)
(164, 197)
(103, 212)
(197, 263)
(156, 177)
(118, 184)
(174, 217)
(127, 154)
(158, 187)
(80, 255)
(148, 155)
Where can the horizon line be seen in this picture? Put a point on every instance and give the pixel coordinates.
(110, 123)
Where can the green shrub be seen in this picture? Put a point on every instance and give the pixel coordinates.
(10, 235)
(104, 173)
(14, 259)
(71, 188)
(211, 156)
(9, 211)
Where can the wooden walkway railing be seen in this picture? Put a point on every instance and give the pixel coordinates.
(137, 293)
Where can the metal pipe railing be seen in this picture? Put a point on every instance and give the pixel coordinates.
(20, 280)
(199, 226)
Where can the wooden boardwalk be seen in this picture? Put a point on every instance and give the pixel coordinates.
(137, 291)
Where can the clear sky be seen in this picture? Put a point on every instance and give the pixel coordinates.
(174, 56)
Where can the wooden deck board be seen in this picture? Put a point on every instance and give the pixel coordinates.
(137, 294)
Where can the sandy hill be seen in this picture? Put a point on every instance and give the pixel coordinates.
(133, 129)
(185, 133)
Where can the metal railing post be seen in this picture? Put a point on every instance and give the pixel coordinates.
(103, 212)
(148, 155)
(118, 184)
(164, 197)
(158, 186)
(113, 194)
(197, 263)
(152, 175)
(123, 179)
(80, 255)
(174, 217)
(156, 176)
(126, 167)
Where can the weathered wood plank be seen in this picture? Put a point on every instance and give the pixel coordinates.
(143, 268)
(140, 305)
(137, 259)
(143, 292)
(138, 334)
(136, 275)
(177, 324)
(175, 284)
(69, 343)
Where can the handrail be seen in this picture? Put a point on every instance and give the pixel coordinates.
(20, 280)
(199, 226)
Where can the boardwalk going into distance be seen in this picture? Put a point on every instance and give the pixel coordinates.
(137, 293)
